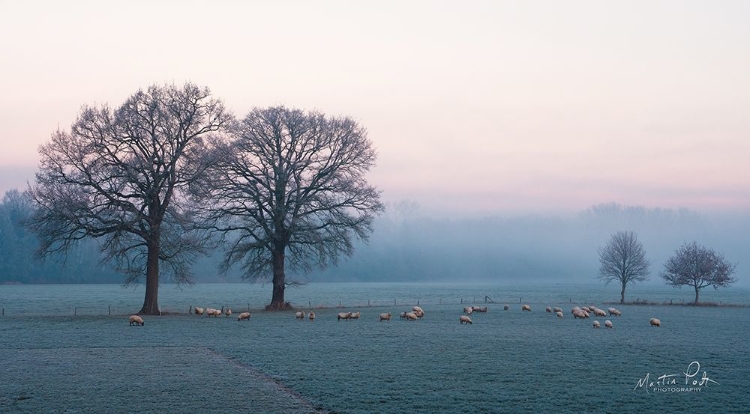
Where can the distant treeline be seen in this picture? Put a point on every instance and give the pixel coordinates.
(407, 246)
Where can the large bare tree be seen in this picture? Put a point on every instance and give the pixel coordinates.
(119, 176)
(289, 192)
(699, 267)
(623, 260)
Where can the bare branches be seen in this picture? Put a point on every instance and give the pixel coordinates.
(291, 182)
(699, 267)
(624, 260)
(120, 175)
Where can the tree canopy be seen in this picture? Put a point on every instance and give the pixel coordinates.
(699, 267)
(624, 260)
(119, 175)
(288, 188)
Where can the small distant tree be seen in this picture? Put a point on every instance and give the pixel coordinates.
(699, 267)
(623, 260)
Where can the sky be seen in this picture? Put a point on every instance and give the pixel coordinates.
(476, 107)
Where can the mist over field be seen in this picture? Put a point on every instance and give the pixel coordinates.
(535, 248)
(412, 246)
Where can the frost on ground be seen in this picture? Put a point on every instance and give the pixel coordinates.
(143, 379)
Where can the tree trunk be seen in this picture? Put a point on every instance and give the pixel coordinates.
(279, 283)
(696, 295)
(622, 294)
(151, 302)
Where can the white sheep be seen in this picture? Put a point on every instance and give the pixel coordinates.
(402, 315)
(300, 315)
(228, 312)
(418, 311)
(586, 308)
(135, 320)
(607, 323)
(468, 310)
(599, 312)
(464, 319)
(556, 309)
(559, 314)
(596, 324)
(411, 316)
(548, 309)
(655, 322)
(613, 311)
(213, 312)
(580, 314)
(244, 316)
(354, 315)
(385, 317)
(311, 315)
(343, 315)
(526, 308)
(481, 309)
(198, 311)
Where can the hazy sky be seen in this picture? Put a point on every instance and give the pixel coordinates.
(474, 107)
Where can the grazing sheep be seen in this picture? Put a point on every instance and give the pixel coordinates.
(402, 315)
(596, 324)
(411, 316)
(418, 311)
(213, 312)
(559, 314)
(613, 311)
(244, 316)
(548, 309)
(135, 320)
(580, 314)
(228, 312)
(556, 309)
(311, 315)
(575, 309)
(198, 311)
(300, 315)
(586, 308)
(655, 322)
(468, 310)
(608, 323)
(344, 315)
(526, 308)
(481, 309)
(506, 307)
(385, 317)
(464, 319)
(599, 312)
(354, 315)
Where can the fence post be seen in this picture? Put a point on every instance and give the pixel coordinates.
(109, 310)
(417, 302)
(75, 311)
(462, 301)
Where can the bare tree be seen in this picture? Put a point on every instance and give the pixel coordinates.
(623, 260)
(119, 176)
(289, 190)
(699, 267)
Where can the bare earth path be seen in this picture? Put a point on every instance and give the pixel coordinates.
(143, 380)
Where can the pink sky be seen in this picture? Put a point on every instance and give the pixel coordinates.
(474, 107)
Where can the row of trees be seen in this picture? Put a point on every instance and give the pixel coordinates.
(623, 259)
(171, 174)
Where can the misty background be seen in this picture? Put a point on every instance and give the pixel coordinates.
(409, 245)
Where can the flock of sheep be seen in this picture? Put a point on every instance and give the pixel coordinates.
(418, 313)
